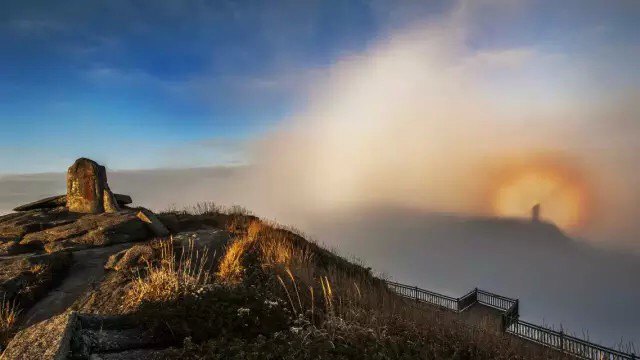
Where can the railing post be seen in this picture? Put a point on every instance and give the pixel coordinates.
(633, 356)
(561, 340)
(416, 293)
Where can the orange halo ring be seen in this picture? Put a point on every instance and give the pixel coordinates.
(560, 188)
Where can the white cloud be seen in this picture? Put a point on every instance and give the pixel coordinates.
(422, 119)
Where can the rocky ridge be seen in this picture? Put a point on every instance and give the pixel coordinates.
(42, 246)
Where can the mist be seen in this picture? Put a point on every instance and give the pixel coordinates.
(420, 154)
(424, 120)
(450, 253)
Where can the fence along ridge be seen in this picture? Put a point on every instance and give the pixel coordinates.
(511, 322)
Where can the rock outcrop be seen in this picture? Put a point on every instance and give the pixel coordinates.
(73, 335)
(61, 200)
(46, 203)
(90, 230)
(14, 226)
(129, 258)
(212, 239)
(155, 225)
(48, 340)
(25, 279)
(87, 188)
(52, 259)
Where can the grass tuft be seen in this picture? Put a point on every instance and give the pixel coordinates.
(172, 276)
(8, 317)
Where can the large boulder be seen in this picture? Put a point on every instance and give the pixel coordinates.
(87, 188)
(47, 340)
(155, 225)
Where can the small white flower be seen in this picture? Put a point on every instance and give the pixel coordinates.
(243, 311)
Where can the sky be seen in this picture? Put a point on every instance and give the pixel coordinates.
(470, 107)
(392, 130)
(152, 84)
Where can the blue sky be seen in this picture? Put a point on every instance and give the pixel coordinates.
(148, 84)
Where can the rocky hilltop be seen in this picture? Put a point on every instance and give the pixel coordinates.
(87, 275)
(88, 215)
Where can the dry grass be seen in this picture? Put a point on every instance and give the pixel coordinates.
(37, 268)
(8, 317)
(209, 208)
(170, 276)
(231, 269)
(342, 303)
(340, 299)
(277, 249)
(272, 246)
(352, 307)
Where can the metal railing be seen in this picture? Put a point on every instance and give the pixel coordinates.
(511, 323)
(415, 293)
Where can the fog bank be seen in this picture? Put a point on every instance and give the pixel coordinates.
(426, 122)
(426, 119)
(445, 252)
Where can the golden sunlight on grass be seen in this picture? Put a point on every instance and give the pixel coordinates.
(274, 249)
(8, 316)
(171, 276)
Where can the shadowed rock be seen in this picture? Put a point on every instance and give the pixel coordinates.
(109, 341)
(89, 231)
(14, 227)
(154, 224)
(86, 269)
(129, 258)
(171, 221)
(46, 203)
(213, 239)
(26, 279)
(140, 354)
(61, 200)
(87, 187)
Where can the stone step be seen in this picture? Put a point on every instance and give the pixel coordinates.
(109, 341)
(140, 354)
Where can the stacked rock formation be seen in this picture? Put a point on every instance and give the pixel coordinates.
(87, 188)
(87, 192)
(89, 215)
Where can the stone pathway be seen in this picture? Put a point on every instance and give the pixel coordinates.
(87, 269)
